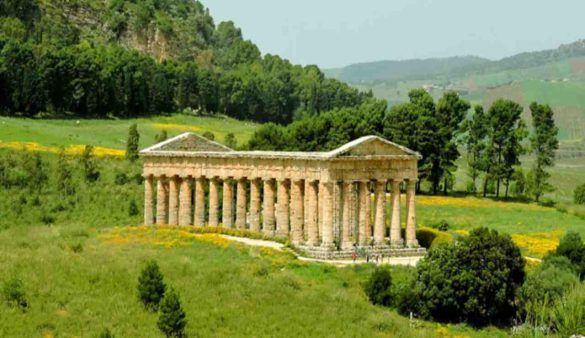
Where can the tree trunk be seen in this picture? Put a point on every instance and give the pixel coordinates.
(445, 186)
(485, 183)
(498, 188)
(507, 185)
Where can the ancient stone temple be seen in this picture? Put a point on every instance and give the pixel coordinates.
(328, 204)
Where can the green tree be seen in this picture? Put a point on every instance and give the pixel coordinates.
(171, 320)
(449, 115)
(378, 287)
(151, 287)
(37, 176)
(90, 169)
(474, 280)
(474, 141)
(544, 142)
(505, 133)
(132, 143)
(230, 140)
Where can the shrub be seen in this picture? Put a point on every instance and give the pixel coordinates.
(545, 286)
(474, 280)
(230, 140)
(171, 320)
(209, 135)
(430, 238)
(13, 293)
(132, 143)
(378, 287)
(441, 225)
(106, 333)
(572, 247)
(569, 313)
(121, 178)
(133, 208)
(579, 194)
(151, 287)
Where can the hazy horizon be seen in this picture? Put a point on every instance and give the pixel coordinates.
(336, 33)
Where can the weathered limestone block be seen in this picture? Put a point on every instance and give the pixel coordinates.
(161, 200)
(199, 218)
(268, 208)
(411, 214)
(185, 208)
(255, 205)
(241, 204)
(148, 197)
(380, 220)
(173, 201)
(395, 236)
(213, 202)
(282, 209)
(228, 198)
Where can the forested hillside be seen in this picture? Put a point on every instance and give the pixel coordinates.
(120, 58)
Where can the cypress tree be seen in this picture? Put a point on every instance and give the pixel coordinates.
(171, 320)
(132, 143)
(544, 142)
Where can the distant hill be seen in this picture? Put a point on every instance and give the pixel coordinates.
(555, 76)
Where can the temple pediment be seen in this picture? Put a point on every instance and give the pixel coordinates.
(372, 146)
(190, 142)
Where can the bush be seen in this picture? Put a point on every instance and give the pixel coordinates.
(121, 178)
(544, 287)
(13, 293)
(568, 316)
(572, 247)
(579, 194)
(209, 135)
(474, 280)
(171, 320)
(106, 333)
(151, 287)
(133, 208)
(430, 238)
(441, 225)
(378, 287)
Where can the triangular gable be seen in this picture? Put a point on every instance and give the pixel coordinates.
(372, 146)
(189, 142)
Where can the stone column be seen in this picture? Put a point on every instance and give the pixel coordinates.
(380, 220)
(297, 212)
(161, 200)
(346, 216)
(268, 209)
(148, 212)
(241, 204)
(174, 200)
(282, 209)
(185, 208)
(313, 213)
(213, 202)
(255, 205)
(365, 228)
(199, 219)
(326, 195)
(411, 214)
(395, 236)
(227, 218)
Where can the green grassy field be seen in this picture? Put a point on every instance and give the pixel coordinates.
(112, 133)
(227, 290)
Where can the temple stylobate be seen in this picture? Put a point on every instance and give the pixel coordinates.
(328, 204)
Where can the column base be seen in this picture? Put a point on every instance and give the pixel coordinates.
(269, 233)
(412, 244)
(397, 243)
(330, 252)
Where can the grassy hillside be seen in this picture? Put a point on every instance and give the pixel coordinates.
(555, 77)
(16, 132)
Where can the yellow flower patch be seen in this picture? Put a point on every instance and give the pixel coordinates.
(177, 127)
(538, 244)
(166, 236)
(470, 202)
(71, 150)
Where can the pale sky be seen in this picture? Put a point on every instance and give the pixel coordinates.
(334, 33)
